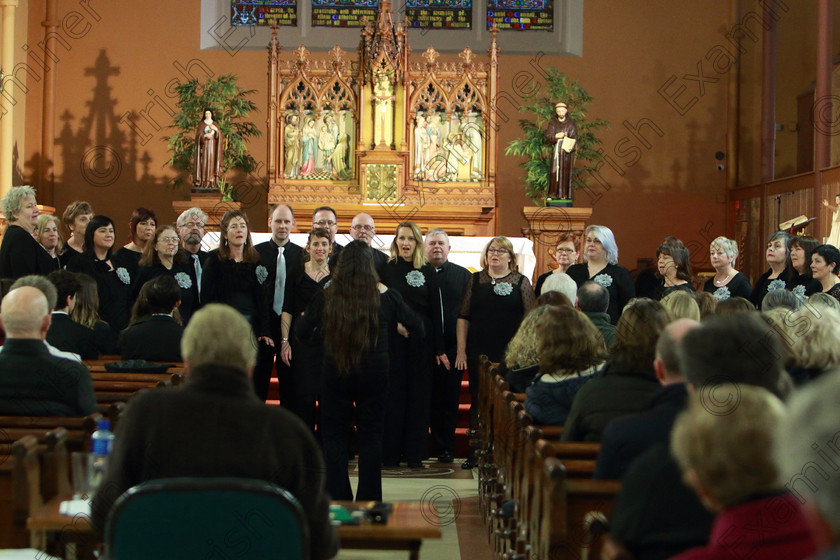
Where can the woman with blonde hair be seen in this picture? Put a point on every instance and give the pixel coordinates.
(727, 282)
(20, 253)
(48, 234)
(522, 359)
(681, 305)
(412, 359)
(496, 300)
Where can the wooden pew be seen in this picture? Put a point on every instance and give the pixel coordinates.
(20, 477)
(78, 429)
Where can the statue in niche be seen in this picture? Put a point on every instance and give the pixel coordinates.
(383, 97)
(291, 145)
(562, 135)
(209, 152)
(309, 145)
(459, 158)
(338, 159)
(327, 141)
(421, 144)
(473, 137)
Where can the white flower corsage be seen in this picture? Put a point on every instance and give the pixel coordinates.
(327, 283)
(415, 279)
(184, 280)
(123, 275)
(503, 288)
(603, 279)
(799, 290)
(722, 293)
(776, 285)
(262, 274)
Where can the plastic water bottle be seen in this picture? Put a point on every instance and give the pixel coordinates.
(101, 441)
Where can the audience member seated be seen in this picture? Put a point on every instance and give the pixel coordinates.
(593, 300)
(733, 349)
(821, 300)
(48, 289)
(781, 299)
(522, 359)
(628, 437)
(707, 304)
(153, 334)
(86, 313)
(814, 344)
(728, 461)
(628, 380)
(733, 305)
(806, 466)
(215, 426)
(65, 333)
(560, 282)
(552, 298)
(35, 383)
(570, 352)
(681, 305)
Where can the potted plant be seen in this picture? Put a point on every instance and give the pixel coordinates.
(538, 152)
(231, 107)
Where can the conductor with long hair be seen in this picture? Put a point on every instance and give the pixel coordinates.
(355, 315)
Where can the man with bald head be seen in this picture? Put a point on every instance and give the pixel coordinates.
(363, 229)
(32, 381)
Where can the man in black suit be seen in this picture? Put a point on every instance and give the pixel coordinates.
(279, 256)
(627, 437)
(155, 336)
(65, 333)
(326, 218)
(34, 382)
(446, 388)
(363, 229)
(214, 426)
(191, 224)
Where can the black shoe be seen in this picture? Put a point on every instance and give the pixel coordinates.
(470, 463)
(445, 457)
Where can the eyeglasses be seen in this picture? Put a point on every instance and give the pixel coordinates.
(566, 251)
(324, 223)
(359, 227)
(194, 224)
(168, 239)
(492, 251)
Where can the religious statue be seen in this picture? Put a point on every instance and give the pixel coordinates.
(562, 135)
(291, 146)
(209, 152)
(384, 112)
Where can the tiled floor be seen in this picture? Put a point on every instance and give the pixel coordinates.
(452, 499)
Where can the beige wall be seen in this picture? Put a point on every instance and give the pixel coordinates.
(137, 51)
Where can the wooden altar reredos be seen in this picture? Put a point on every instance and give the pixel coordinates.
(396, 136)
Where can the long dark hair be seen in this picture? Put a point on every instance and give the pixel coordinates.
(351, 307)
(249, 254)
(94, 224)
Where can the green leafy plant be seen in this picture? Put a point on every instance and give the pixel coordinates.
(231, 108)
(538, 151)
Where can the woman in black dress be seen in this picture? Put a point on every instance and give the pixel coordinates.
(48, 234)
(356, 316)
(76, 217)
(20, 254)
(727, 282)
(163, 255)
(781, 275)
(305, 357)
(565, 254)
(233, 275)
(496, 300)
(141, 229)
(801, 248)
(674, 268)
(600, 255)
(113, 280)
(412, 360)
(825, 263)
